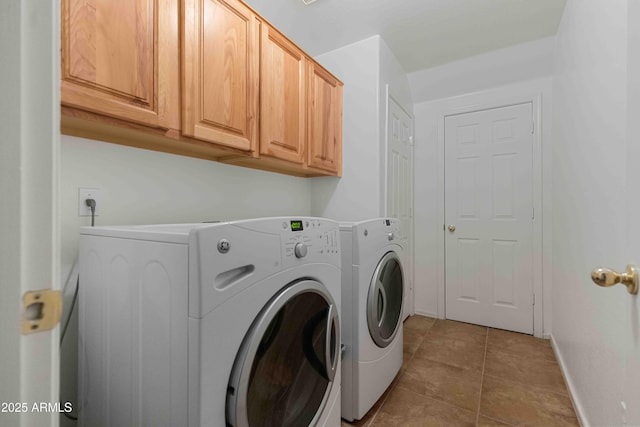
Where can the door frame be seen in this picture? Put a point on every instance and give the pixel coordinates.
(29, 180)
(535, 93)
(408, 272)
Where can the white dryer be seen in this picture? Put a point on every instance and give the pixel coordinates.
(228, 324)
(372, 297)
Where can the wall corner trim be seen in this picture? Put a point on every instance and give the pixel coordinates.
(577, 407)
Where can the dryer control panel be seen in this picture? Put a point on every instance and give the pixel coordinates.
(376, 233)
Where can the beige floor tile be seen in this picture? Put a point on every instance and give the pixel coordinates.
(520, 344)
(442, 373)
(459, 331)
(443, 382)
(411, 340)
(419, 323)
(538, 372)
(404, 408)
(489, 422)
(452, 350)
(521, 405)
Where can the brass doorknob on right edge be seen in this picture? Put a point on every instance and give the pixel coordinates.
(452, 228)
(606, 277)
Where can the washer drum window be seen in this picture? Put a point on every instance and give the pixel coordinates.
(284, 371)
(384, 302)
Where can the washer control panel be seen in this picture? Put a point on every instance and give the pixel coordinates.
(303, 240)
(310, 240)
(300, 250)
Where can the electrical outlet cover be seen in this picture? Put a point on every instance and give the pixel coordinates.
(88, 193)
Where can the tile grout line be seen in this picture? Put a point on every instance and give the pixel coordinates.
(528, 386)
(484, 363)
(500, 421)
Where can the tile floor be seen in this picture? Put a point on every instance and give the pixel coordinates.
(457, 374)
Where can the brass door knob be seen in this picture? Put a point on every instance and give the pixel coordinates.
(605, 277)
(452, 228)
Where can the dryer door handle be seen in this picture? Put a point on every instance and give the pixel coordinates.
(332, 343)
(382, 308)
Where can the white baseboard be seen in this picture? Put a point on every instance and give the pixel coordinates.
(570, 387)
(426, 313)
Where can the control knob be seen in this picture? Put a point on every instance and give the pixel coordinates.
(300, 250)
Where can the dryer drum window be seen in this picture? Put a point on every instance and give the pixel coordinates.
(384, 302)
(284, 370)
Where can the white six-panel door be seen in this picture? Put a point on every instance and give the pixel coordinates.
(489, 217)
(399, 203)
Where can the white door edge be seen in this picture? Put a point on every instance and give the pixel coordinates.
(385, 149)
(533, 93)
(410, 274)
(30, 159)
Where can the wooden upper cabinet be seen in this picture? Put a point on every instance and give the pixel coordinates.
(325, 121)
(220, 54)
(202, 78)
(282, 98)
(120, 58)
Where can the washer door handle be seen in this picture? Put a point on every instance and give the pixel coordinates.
(307, 345)
(332, 341)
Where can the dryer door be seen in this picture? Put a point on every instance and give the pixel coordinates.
(284, 371)
(384, 302)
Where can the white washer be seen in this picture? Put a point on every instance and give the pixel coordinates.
(228, 324)
(372, 296)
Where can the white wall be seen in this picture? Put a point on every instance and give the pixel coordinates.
(589, 215)
(366, 68)
(356, 195)
(147, 187)
(392, 73)
(526, 61)
(486, 78)
(427, 222)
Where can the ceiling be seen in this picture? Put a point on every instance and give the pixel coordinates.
(421, 33)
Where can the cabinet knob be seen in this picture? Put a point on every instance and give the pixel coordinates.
(451, 228)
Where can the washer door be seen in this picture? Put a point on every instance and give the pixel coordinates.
(384, 302)
(284, 371)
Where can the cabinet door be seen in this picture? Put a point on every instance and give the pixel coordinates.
(120, 58)
(325, 121)
(282, 98)
(220, 73)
